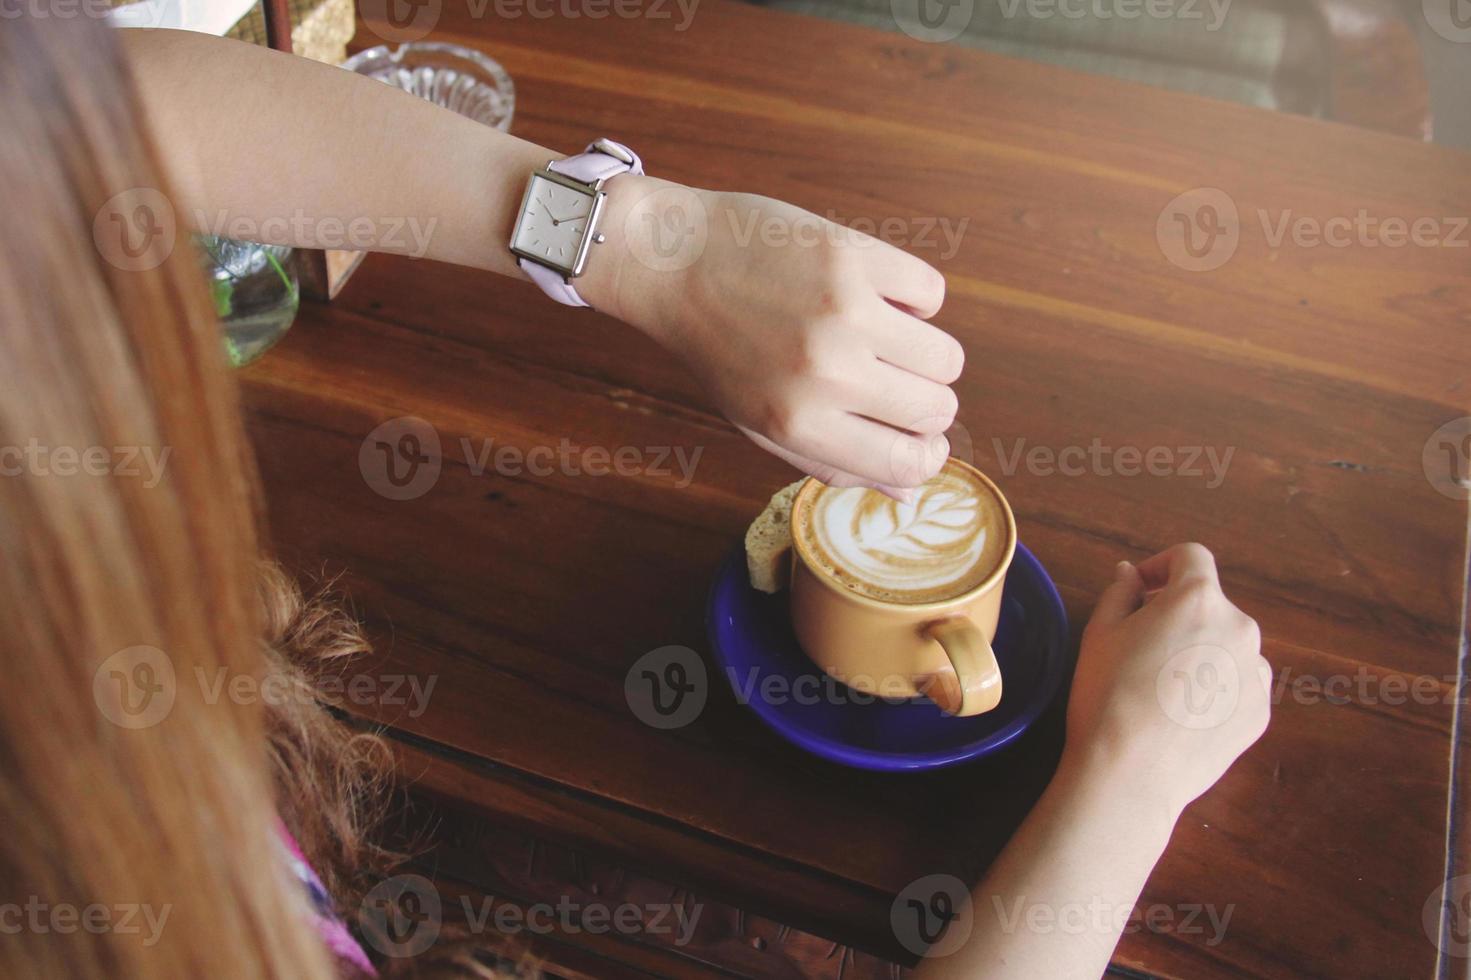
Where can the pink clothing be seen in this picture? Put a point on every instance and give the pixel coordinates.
(332, 929)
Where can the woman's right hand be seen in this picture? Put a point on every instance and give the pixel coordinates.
(1171, 685)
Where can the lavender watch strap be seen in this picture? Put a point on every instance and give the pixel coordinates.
(589, 166)
(594, 163)
(552, 283)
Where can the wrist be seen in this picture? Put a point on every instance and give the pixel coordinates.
(654, 232)
(609, 280)
(1099, 770)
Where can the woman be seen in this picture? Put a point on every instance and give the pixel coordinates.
(239, 826)
(175, 835)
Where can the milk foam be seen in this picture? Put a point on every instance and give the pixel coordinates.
(928, 548)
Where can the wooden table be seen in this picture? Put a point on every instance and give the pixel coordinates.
(1324, 369)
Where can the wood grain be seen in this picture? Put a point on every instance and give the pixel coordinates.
(1322, 370)
(477, 864)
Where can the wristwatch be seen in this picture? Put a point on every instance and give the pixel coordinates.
(558, 222)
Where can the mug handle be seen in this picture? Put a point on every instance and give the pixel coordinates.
(976, 687)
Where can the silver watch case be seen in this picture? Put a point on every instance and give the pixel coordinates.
(590, 234)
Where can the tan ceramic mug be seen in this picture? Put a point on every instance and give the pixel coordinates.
(939, 648)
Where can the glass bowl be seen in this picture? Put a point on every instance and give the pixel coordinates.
(460, 79)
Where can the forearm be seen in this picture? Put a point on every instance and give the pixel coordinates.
(1055, 901)
(301, 153)
(813, 346)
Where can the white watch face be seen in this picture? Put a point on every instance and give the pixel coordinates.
(553, 222)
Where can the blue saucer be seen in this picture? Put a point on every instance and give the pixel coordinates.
(757, 653)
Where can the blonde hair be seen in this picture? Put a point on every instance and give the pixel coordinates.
(175, 816)
(171, 814)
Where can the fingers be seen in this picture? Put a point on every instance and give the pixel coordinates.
(1123, 596)
(822, 472)
(1179, 565)
(905, 401)
(1190, 595)
(920, 348)
(901, 278)
(871, 451)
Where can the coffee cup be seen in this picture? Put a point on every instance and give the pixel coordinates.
(902, 599)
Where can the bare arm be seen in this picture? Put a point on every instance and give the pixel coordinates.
(1052, 904)
(1139, 749)
(288, 147)
(813, 342)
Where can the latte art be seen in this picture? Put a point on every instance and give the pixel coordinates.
(943, 543)
(907, 547)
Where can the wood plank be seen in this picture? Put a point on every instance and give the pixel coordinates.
(1321, 370)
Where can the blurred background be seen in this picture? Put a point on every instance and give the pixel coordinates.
(1380, 64)
(1398, 66)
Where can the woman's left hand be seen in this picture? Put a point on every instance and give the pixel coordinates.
(809, 336)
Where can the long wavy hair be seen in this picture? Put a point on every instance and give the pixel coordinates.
(112, 575)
